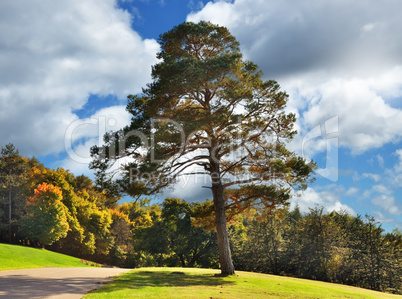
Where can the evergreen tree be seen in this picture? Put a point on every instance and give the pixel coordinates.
(207, 112)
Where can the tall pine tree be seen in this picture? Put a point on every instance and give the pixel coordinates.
(207, 112)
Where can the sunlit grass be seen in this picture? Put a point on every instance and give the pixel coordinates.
(20, 257)
(201, 283)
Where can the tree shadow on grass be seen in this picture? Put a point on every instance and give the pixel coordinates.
(142, 279)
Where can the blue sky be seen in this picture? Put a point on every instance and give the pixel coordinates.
(67, 67)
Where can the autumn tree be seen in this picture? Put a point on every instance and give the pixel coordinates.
(207, 112)
(46, 218)
(89, 223)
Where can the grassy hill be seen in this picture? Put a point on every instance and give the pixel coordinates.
(20, 257)
(185, 282)
(201, 283)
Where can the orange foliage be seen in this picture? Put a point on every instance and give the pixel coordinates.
(44, 187)
(48, 191)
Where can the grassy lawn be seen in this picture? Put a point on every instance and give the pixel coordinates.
(20, 257)
(200, 283)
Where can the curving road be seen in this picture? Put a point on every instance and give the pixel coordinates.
(54, 282)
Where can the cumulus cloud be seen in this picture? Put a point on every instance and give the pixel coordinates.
(366, 120)
(329, 198)
(54, 54)
(82, 134)
(282, 37)
(334, 59)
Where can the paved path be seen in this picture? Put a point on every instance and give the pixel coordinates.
(54, 282)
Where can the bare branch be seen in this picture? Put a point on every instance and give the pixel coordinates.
(179, 170)
(234, 164)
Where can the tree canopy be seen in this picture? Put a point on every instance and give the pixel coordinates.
(46, 218)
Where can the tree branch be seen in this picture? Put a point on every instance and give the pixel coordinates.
(238, 182)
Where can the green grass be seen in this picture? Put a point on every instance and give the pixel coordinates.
(201, 283)
(20, 257)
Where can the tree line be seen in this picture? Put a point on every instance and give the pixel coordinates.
(42, 207)
(54, 209)
(69, 214)
(333, 247)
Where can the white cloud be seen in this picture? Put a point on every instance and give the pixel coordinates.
(382, 189)
(351, 191)
(388, 204)
(380, 160)
(366, 194)
(382, 218)
(190, 188)
(375, 177)
(54, 54)
(398, 166)
(394, 174)
(82, 134)
(369, 27)
(195, 5)
(286, 36)
(339, 59)
(382, 194)
(329, 198)
(79, 157)
(355, 102)
(104, 120)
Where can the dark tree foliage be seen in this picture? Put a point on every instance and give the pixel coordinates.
(333, 247)
(13, 169)
(175, 240)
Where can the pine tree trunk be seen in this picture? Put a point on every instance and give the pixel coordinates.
(225, 256)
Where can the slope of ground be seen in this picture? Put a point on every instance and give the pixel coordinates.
(20, 257)
(201, 283)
